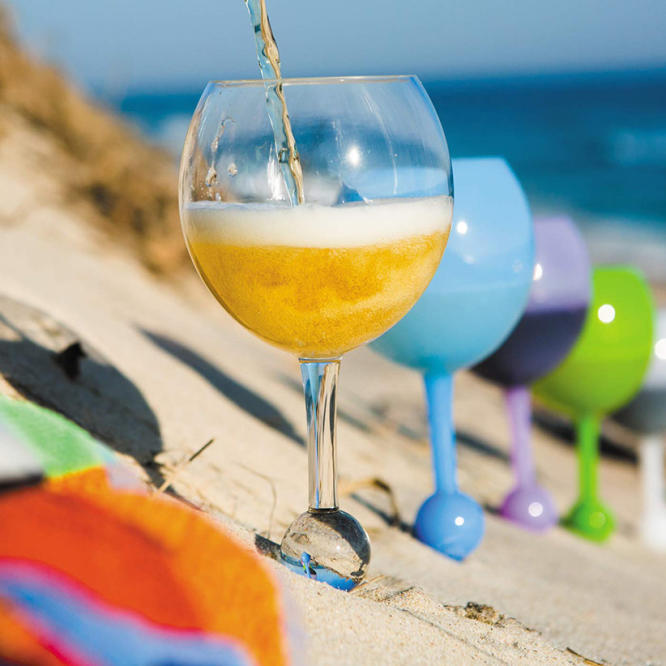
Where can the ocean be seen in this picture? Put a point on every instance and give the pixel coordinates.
(590, 146)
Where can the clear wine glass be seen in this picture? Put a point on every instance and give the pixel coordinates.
(323, 277)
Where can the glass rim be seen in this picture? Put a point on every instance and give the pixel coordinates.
(313, 80)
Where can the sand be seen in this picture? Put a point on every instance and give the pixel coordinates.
(166, 369)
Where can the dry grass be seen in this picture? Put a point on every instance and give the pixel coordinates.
(126, 186)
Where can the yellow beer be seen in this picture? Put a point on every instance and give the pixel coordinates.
(283, 280)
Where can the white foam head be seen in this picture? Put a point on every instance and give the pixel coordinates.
(347, 225)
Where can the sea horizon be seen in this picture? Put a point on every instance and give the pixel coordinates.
(591, 145)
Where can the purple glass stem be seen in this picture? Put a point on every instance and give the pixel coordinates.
(519, 406)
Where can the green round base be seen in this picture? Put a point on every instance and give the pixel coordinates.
(590, 519)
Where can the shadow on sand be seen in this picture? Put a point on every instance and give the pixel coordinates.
(51, 365)
(564, 431)
(240, 395)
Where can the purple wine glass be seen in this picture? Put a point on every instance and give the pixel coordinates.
(550, 325)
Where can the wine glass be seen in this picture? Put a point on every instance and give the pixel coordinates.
(602, 372)
(646, 414)
(472, 303)
(552, 321)
(323, 277)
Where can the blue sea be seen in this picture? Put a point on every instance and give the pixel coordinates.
(592, 146)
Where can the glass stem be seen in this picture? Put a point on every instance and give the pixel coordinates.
(439, 395)
(520, 411)
(652, 473)
(320, 380)
(588, 456)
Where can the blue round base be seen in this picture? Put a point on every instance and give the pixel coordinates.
(452, 524)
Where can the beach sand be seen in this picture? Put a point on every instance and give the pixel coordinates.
(167, 370)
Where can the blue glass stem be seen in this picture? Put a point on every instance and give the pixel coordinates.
(439, 394)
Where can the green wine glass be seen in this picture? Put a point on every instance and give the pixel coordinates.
(602, 372)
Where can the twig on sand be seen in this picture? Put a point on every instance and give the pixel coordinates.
(586, 660)
(175, 471)
(349, 487)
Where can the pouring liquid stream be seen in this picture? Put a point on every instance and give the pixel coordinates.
(269, 65)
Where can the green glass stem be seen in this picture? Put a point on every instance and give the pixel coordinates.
(587, 429)
(589, 517)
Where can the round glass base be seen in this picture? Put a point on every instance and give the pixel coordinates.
(327, 545)
(653, 529)
(451, 523)
(591, 519)
(531, 507)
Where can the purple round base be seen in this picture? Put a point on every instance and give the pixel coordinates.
(531, 507)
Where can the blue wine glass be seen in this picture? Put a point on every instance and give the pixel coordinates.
(473, 302)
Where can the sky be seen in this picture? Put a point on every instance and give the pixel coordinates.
(114, 46)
